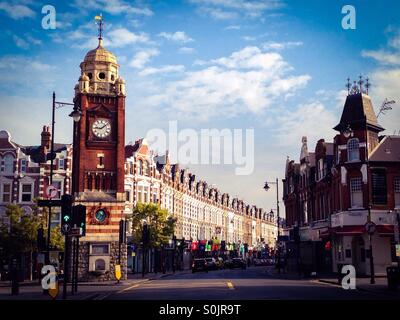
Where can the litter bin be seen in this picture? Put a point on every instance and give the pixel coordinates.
(393, 275)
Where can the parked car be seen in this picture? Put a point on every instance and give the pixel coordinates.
(235, 263)
(220, 263)
(199, 265)
(211, 263)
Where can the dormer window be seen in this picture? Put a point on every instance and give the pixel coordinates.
(353, 150)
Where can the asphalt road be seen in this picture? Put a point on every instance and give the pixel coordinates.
(252, 284)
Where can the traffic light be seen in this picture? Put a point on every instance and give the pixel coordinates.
(66, 213)
(122, 231)
(79, 218)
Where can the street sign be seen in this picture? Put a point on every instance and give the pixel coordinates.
(53, 292)
(370, 227)
(51, 192)
(49, 203)
(117, 272)
(75, 232)
(65, 228)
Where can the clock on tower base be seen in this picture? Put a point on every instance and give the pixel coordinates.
(98, 164)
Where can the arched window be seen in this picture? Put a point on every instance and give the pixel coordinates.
(8, 163)
(140, 167)
(147, 170)
(353, 150)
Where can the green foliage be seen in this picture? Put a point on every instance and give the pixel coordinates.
(20, 234)
(160, 224)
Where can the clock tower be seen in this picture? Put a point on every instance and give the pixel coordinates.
(98, 162)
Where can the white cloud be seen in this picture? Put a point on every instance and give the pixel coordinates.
(25, 43)
(121, 37)
(186, 50)
(294, 124)
(385, 81)
(382, 56)
(233, 27)
(20, 43)
(282, 45)
(113, 7)
(248, 80)
(178, 36)
(164, 69)
(20, 72)
(141, 58)
(231, 9)
(17, 11)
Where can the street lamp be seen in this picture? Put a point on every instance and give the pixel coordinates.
(266, 188)
(55, 105)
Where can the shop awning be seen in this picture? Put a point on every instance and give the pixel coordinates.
(385, 229)
(349, 230)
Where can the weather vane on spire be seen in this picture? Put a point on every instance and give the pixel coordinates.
(100, 23)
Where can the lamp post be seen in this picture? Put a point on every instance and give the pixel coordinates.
(267, 187)
(55, 105)
(144, 243)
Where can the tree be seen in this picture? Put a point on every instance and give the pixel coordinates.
(19, 231)
(160, 224)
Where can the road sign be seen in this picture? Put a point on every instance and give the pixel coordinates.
(75, 232)
(370, 227)
(53, 292)
(51, 192)
(65, 228)
(49, 203)
(117, 272)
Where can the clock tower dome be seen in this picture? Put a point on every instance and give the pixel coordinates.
(98, 162)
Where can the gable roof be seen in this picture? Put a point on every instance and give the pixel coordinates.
(388, 150)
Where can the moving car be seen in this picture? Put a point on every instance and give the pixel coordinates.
(199, 265)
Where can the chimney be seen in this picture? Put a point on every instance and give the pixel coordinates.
(45, 142)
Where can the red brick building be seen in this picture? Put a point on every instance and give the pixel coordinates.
(342, 186)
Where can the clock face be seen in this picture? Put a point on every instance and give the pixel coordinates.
(101, 128)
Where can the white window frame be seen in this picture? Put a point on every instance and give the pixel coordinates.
(2, 192)
(353, 150)
(355, 187)
(8, 156)
(61, 167)
(32, 184)
(396, 191)
(24, 165)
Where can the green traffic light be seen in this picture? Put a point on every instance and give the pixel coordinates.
(66, 218)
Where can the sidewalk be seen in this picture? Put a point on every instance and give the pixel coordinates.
(86, 290)
(380, 287)
(363, 284)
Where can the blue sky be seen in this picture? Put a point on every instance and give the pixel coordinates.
(276, 66)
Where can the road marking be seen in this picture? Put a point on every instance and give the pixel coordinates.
(230, 285)
(129, 288)
(326, 283)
